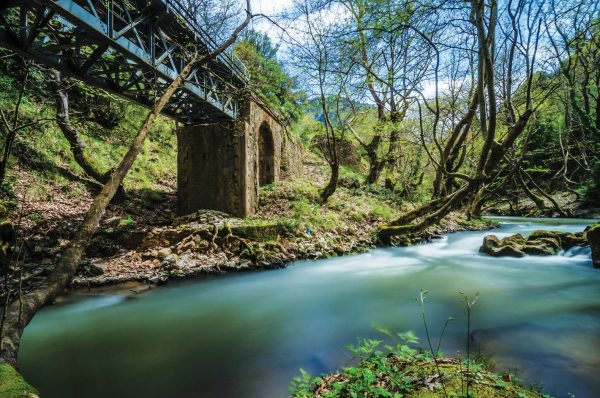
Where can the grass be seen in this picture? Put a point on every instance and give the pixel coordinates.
(46, 154)
(127, 222)
(344, 210)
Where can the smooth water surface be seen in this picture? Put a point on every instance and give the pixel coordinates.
(247, 335)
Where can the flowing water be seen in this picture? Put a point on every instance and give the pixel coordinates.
(246, 335)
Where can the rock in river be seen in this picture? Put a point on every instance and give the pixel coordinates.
(500, 248)
(593, 237)
(539, 243)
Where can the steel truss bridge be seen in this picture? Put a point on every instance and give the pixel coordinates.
(134, 48)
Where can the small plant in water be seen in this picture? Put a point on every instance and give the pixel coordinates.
(469, 303)
(397, 369)
(434, 354)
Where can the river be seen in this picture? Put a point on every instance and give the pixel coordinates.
(246, 335)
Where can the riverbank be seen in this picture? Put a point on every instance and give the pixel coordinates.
(211, 243)
(202, 331)
(142, 239)
(289, 226)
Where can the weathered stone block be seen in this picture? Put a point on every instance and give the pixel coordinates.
(221, 166)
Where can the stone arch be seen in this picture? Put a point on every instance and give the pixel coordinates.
(266, 155)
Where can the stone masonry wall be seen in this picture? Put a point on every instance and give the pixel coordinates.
(218, 164)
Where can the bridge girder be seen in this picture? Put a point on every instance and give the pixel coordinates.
(133, 48)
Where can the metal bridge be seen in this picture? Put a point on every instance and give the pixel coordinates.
(134, 48)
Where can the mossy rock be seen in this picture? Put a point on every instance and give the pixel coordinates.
(569, 241)
(546, 245)
(12, 384)
(593, 237)
(514, 240)
(539, 250)
(490, 242)
(508, 251)
(507, 247)
(565, 240)
(539, 243)
(540, 233)
(259, 232)
(483, 384)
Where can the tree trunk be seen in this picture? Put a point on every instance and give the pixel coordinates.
(71, 134)
(8, 144)
(332, 184)
(20, 312)
(375, 164)
(538, 201)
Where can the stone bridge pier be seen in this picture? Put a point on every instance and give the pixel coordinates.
(221, 166)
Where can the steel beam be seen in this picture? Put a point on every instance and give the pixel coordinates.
(133, 48)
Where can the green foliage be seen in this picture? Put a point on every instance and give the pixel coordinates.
(126, 222)
(363, 380)
(400, 370)
(267, 75)
(343, 211)
(591, 188)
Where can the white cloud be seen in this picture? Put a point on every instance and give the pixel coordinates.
(270, 7)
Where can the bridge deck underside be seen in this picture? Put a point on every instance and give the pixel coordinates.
(134, 48)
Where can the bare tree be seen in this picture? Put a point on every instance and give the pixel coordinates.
(389, 50)
(495, 140)
(18, 314)
(78, 147)
(318, 61)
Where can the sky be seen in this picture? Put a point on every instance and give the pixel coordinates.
(270, 8)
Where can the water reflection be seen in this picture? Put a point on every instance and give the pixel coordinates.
(247, 335)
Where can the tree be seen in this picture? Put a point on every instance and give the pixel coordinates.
(385, 44)
(325, 77)
(574, 34)
(20, 311)
(267, 77)
(61, 90)
(496, 137)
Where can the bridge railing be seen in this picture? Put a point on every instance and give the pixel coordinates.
(228, 58)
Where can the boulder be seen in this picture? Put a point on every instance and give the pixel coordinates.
(569, 241)
(540, 233)
(539, 250)
(542, 244)
(490, 242)
(508, 251)
(515, 240)
(593, 237)
(507, 247)
(566, 240)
